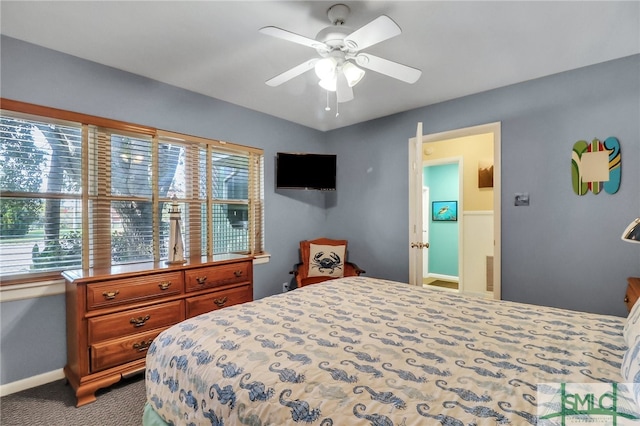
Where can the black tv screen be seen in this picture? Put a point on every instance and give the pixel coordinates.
(306, 171)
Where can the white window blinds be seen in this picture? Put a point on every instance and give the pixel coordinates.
(40, 187)
(86, 195)
(226, 204)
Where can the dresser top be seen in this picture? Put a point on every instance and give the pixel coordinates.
(132, 269)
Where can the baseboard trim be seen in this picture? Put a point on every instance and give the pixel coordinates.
(31, 382)
(444, 277)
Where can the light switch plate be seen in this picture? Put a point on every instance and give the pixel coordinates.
(522, 199)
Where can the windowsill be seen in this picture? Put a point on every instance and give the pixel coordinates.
(261, 258)
(14, 292)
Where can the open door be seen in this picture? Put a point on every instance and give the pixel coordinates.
(416, 246)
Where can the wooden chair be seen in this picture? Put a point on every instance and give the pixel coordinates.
(320, 263)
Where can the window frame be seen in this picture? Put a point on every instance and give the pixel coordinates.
(90, 124)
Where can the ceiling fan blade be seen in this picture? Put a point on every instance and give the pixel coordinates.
(392, 69)
(380, 29)
(296, 38)
(293, 72)
(344, 92)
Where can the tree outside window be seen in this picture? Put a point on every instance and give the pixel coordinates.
(40, 181)
(50, 222)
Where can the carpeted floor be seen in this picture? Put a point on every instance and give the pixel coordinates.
(53, 404)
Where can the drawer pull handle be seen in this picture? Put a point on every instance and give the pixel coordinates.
(238, 273)
(626, 299)
(142, 346)
(140, 321)
(110, 295)
(164, 285)
(201, 280)
(220, 302)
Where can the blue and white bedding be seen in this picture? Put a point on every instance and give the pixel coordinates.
(364, 351)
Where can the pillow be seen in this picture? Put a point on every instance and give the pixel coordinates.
(631, 363)
(630, 369)
(326, 261)
(631, 328)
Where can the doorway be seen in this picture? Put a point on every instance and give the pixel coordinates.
(479, 257)
(441, 223)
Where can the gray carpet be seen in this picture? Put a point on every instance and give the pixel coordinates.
(53, 404)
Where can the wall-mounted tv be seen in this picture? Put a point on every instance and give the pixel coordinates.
(306, 171)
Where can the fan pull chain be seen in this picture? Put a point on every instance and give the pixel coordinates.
(337, 106)
(327, 108)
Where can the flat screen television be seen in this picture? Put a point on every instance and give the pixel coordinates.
(306, 171)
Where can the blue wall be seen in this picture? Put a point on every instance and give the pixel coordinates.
(41, 76)
(547, 248)
(442, 181)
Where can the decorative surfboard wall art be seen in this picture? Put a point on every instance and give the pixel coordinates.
(596, 166)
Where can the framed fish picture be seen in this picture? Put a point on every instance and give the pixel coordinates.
(444, 211)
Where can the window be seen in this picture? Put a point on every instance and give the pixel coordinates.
(40, 205)
(96, 193)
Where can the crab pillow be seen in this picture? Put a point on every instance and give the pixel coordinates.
(326, 261)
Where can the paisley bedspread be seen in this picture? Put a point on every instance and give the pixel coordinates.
(364, 351)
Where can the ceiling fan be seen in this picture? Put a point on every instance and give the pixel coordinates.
(339, 48)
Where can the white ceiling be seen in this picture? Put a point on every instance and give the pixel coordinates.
(214, 48)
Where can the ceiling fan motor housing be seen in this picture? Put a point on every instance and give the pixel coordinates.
(333, 37)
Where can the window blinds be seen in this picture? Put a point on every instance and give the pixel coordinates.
(91, 195)
(40, 187)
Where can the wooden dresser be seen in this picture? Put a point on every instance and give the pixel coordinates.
(633, 292)
(113, 314)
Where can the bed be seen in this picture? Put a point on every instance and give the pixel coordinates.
(366, 351)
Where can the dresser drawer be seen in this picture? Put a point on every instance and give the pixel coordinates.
(218, 300)
(135, 321)
(216, 276)
(120, 351)
(118, 292)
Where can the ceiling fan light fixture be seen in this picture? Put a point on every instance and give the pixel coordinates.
(328, 84)
(326, 68)
(352, 73)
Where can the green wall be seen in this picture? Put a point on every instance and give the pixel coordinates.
(442, 181)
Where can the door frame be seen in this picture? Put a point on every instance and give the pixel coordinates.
(415, 196)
